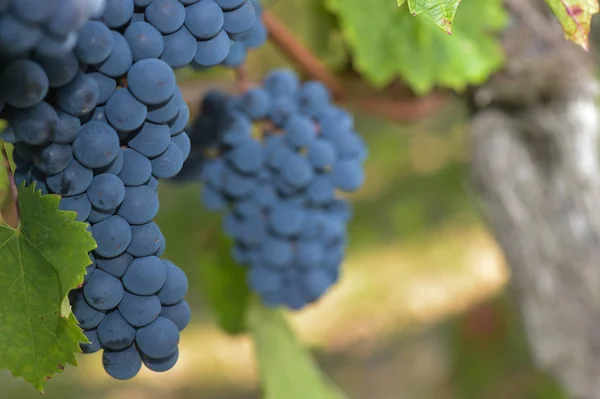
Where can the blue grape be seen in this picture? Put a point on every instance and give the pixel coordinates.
(77, 203)
(179, 314)
(145, 240)
(122, 365)
(106, 192)
(114, 332)
(166, 15)
(96, 216)
(114, 167)
(106, 86)
(175, 286)
(103, 291)
(347, 175)
(144, 41)
(60, 70)
(212, 51)
(23, 83)
(94, 345)
(115, 266)
(169, 111)
(296, 171)
(181, 120)
(120, 59)
(239, 20)
(53, 158)
(124, 112)
(237, 55)
(182, 141)
(112, 236)
(36, 125)
(96, 145)
(145, 276)
(87, 317)
(256, 103)
(299, 131)
(74, 180)
(281, 82)
(159, 339)
(179, 48)
(79, 96)
(321, 154)
(140, 205)
(17, 37)
(247, 157)
(136, 168)
(68, 127)
(117, 13)
(151, 81)
(254, 37)
(139, 311)
(152, 140)
(161, 365)
(95, 43)
(204, 19)
(169, 163)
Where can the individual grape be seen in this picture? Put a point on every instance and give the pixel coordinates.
(169, 111)
(145, 276)
(124, 112)
(68, 127)
(254, 37)
(161, 365)
(256, 103)
(115, 266)
(79, 96)
(151, 141)
(120, 59)
(106, 86)
(168, 164)
(23, 83)
(114, 332)
(180, 314)
(36, 125)
(159, 339)
(166, 15)
(112, 236)
(347, 175)
(179, 48)
(102, 291)
(96, 145)
(74, 180)
(77, 203)
(237, 55)
(321, 154)
(145, 240)
(53, 158)
(60, 70)
(87, 317)
(95, 43)
(144, 41)
(122, 365)
(136, 168)
(140, 205)
(114, 167)
(182, 141)
(296, 171)
(181, 120)
(239, 20)
(139, 311)
(106, 192)
(204, 19)
(175, 286)
(281, 82)
(212, 51)
(117, 13)
(299, 131)
(247, 157)
(151, 81)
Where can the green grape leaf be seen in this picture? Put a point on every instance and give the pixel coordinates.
(40, 262)
(441, 12)
(388, 42)
(287, 369)
(575, 16)
(225, 289)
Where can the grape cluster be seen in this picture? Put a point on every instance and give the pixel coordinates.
(274, 158)
(181, 32)
(100, 127)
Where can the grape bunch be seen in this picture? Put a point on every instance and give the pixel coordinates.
(274, 158)
(181, 32)
(99, 127)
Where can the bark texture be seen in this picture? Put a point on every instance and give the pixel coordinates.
(535, 166)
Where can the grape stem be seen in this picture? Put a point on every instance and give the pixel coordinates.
(241, 79)
(281, 37)
(11, 180)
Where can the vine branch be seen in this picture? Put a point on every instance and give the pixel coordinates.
(242, 81)
(14, 191)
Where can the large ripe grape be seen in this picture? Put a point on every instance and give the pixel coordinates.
(152, 140)
(122, 365)
(78, 97)
(114, 332)
(36, 125)
(180, 314)
(86, 316)
(212, 51)
(117, 13)
(103, 291)
(106, 192)
(23, 83)
(94, 345)
(138, 310)
(169, 111)
(115, 266)
(169, 163)
(136, 168)
(75, 179)
(96, 145)
(54, 158)
(77, 203)
(151, 81)
(144, 41)
(204, 19)
(239, 20)
(112, 235)
(140, 205)
(159, 339)
(146, 240)
(161, 365)
(166, 15)
(179, 48)
(95, 43)
(175, 286)
(60, 70)
(120, 59)
(68, 127)
(106, 86)
(124, 112)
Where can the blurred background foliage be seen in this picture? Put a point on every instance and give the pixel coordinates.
(422, 310)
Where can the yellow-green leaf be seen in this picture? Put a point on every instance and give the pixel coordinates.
(575, 16)
(441, 12)
(40, 262)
